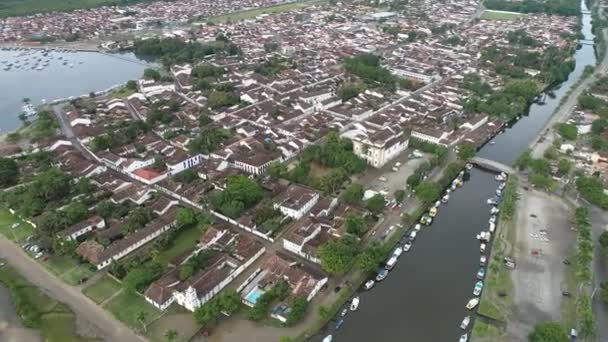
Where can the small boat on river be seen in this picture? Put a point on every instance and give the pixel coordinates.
(472, 303)
(465, 322)
(328, 338)
(433, 212)
(369, 284)
(354, 304)
(478, 288)
(464, 338)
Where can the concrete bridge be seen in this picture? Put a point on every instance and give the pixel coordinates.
(492, 165)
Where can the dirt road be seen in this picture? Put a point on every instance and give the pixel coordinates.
(84, 308)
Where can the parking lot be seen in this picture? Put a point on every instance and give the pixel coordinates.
(395, 180)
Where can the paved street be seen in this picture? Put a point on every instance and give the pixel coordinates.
(83, 307)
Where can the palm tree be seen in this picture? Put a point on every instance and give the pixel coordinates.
(140, 317)
(171, 335)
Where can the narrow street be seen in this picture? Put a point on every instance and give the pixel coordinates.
(83, 307)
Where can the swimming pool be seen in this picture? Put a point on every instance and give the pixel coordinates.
(253, 296)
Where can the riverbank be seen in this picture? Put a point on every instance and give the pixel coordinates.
(51, 319)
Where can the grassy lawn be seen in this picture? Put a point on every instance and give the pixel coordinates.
(103, 289)
(498, 15)
(488, 308)
(75, 275)
(126, 307)
(249, 14)
(54, 321)
(485, 331)
(185, 239)
(60, 264)
(569, 318)
(18, 234)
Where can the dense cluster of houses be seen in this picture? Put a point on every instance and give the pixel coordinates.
(99, 22)
(275, 117)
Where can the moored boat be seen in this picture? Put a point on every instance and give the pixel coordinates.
(327, 338)
(472, 303)
(354, 304)
(463, 338)
(465, 322)
(481, 273)
(445, 198)
(369, 284)
(381, 274)
(433, 212)
(391, 263)
(478, 288)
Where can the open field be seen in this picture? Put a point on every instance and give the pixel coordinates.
(500, 15)
(249, 14)
(103, 289)
(14, 234)
(54, 321)
(22, 7)
(127, 306)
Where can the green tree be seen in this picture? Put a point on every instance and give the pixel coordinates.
(152, 74)
(349, 90)
(524, 160)
(138, 218)
(563, 167)
(185, 216)
(428, 192)
(376, 204)
(355, 225)
(370, 258)
(76, 212)
(299, 306)
(337, 255)
(9, 172)
(567, 131)
(551, 153)
(230, 301)
(604, 291)
(399, 195)
(171, 335)
(603, 240)
(466, 151)
(352, 194)
(548, 332)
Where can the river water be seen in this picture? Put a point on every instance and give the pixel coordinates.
(423, 297)
(82, 73)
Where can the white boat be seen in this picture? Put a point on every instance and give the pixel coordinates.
(413, 235)
(465, 322)
(484, 236)
(381, 275)
(502, 185)
(478, 287)
(492, 227)
(469, 166)
(494, 210)
(499, 178)
(417, 227)
(445, 198)
(498, 192)
(391, 263)
(344, 312)
(482, 260)
(407, 245)
(492, 219)
(328, 338)
(463, 338)
(397, 252)
(354, 304)
(453, 187)
(438, 203)
(482, 248)
(369, 284)
(472, 303)
(433, 212)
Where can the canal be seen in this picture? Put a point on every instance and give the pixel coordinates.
(66, 74)
(423, 297)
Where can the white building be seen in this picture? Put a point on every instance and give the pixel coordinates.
(296, 201)
(379, 147)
